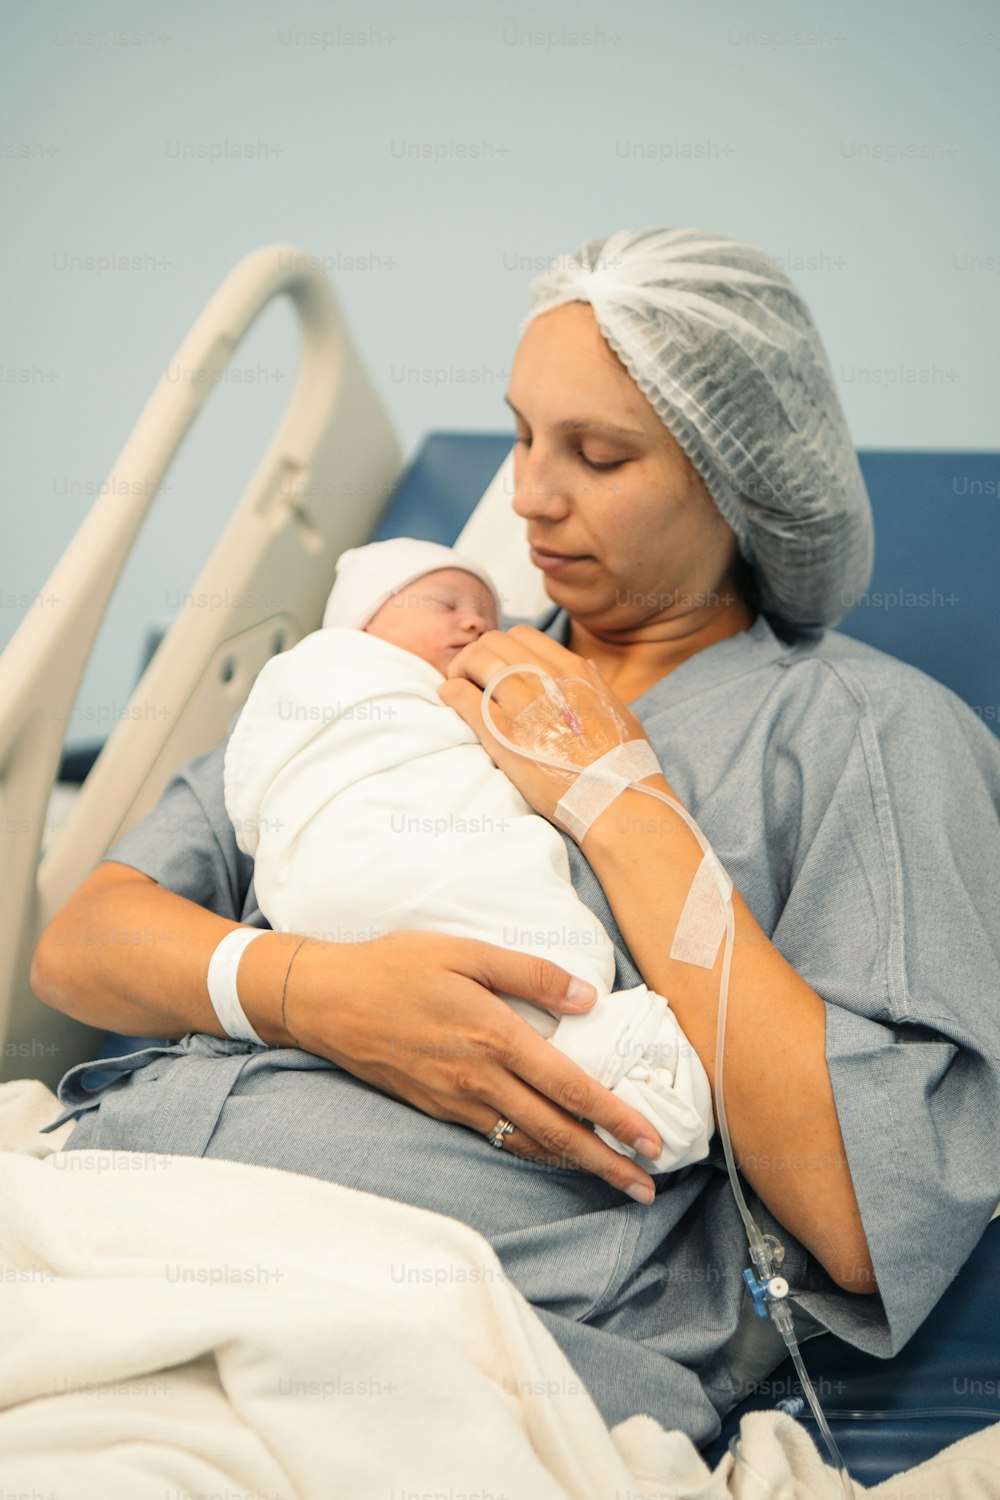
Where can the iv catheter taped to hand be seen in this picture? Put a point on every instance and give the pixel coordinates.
(572, 729)
(562, 728)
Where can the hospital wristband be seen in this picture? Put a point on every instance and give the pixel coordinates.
(222, 969)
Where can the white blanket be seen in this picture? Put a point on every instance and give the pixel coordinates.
(369, 806)
(177, 1327)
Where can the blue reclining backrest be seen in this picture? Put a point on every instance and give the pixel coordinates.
(932, 600)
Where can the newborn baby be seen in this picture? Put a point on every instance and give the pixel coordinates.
(370, 807)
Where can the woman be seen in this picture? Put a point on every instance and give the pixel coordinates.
(693, 499)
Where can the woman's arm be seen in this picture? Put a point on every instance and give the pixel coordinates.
(125, 954)
(779, 1100)
(415, 1014)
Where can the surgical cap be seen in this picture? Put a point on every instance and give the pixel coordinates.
(724, 349)
(368, 576)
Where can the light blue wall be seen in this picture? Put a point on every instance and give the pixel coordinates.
(855, 142)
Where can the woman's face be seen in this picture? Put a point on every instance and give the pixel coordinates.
(637, 537)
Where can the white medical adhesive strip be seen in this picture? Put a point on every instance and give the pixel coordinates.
(222, 969)
(702, 924)
(599, 784)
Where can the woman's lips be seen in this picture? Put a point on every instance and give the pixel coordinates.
(553, 562)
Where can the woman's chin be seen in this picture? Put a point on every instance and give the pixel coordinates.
(579, 599)
(560, 590)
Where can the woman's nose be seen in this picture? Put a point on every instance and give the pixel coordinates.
(538, 491)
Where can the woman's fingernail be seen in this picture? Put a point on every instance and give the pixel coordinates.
(641, 1193)
(646, 1147)
(578, 992)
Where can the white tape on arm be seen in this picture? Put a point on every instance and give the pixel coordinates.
(599, 784)
(703, 921)
(222, 969)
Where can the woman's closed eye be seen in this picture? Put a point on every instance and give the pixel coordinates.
(616, 464)
(591, 464)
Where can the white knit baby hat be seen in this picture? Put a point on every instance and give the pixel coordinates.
(723, 347)
(368, 576)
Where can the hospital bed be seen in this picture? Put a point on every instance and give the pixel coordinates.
(331, 478)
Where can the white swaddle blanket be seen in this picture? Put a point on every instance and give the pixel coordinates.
(370, 807)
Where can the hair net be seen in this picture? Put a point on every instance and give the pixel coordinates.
(724, 348)
(368, 576)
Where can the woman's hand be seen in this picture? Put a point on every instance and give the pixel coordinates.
(595, 721)
(414, 1014)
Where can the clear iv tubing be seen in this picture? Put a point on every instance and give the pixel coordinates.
(761, 1252)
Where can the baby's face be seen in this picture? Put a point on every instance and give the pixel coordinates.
(436, 616)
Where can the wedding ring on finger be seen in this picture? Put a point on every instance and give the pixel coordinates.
(501, 1128)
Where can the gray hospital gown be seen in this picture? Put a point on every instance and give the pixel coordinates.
(854, 803)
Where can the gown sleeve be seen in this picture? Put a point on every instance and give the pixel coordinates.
(188, 845)
(893, 917)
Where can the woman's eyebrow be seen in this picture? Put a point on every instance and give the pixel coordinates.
(581, 424)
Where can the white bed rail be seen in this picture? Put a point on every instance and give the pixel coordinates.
(319, 488)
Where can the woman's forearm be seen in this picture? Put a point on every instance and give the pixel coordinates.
(415, 1014)
(779, 1100)
(127, 955)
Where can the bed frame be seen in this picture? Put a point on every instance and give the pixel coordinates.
(319, 488)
